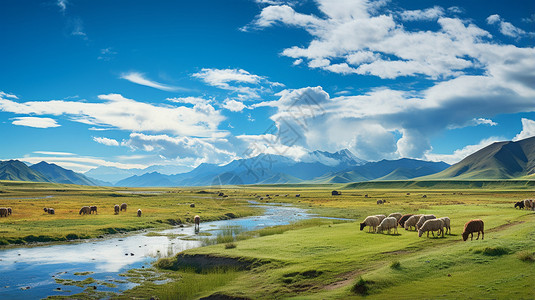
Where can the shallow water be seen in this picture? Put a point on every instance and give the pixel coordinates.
(38, 267)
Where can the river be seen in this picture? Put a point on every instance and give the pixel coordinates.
(31, 272)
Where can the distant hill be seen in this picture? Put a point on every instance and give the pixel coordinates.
(148, 179)
(57, 174)
(501, 160)
(19, 171)
(400, 169)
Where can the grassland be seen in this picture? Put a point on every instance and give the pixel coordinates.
(161, 208)
(330, 259)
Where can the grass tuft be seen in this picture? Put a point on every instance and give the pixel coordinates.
(230, 245)
(361, 287)
(396, 265)
(526, 256)
(493, 251)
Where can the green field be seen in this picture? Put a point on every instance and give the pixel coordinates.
(330, 259)
(313, 259)
(161, 208)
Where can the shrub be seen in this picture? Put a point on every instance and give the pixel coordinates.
(361, 287)
(230, 245)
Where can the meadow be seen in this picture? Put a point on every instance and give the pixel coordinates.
(161, 208)
(312, 259)
(333, 259)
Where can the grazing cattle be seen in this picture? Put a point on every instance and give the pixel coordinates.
(45, 209)
(519, 204)
(298, 195)
(51, 211)
(116, 209)
(336, 193)
(192, 205)
(9, 211)
(139, 212)
(3, 212)
(93, 209)
(123, 207)
(424, 196)
(86, 210)
(197, 221)
(380, 201)
(473, 226)
(404, 219)
(366, 196)
(221, 194)
(528, 204)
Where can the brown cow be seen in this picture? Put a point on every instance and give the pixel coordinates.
(3, 212)
(86, 210)
(116, 209)
(123, 206)
(93, 209)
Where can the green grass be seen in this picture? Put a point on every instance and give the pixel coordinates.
(328, 259)
(30, 224)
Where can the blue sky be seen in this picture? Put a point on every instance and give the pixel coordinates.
(137, 83)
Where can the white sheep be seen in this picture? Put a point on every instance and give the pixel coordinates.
(446, 221)
(380, 217)
(422, 220)
(396, 215)
(387, 224)
(432, 225)
(411, 222)
(371, 221)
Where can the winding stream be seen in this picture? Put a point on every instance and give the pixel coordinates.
(31, 272)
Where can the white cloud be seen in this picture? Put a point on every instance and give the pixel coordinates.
(528, 130)
(54, 153)
(190, 100)
(62, 4)
(106, 54)
(116, 111)
(422, 15)
(353, 28)
(193, 150)
(106, 141)
(245, 84)
(462, 153)
(139, 78)
(77, 27)
(506, 28)
(6, 95)
(35, 122)
(233, 105)
(80, 163)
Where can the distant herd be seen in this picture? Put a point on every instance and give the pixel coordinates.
(85, 210)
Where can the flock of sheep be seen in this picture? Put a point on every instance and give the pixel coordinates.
(85, 210)
(421, 223)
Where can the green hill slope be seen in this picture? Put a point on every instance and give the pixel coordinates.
(501, 160)
(19, 171)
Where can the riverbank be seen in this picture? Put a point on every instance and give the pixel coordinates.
(161, 208)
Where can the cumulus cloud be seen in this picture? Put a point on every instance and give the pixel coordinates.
(116, 111)
(245, 84)
(193, 150)
(354, 37)
(140, 79)
(506, 28)
(528, 130)
(233, 105)
(35, 122)
(106, 141)
(7, 95)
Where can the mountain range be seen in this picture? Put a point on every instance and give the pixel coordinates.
(500, 160)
